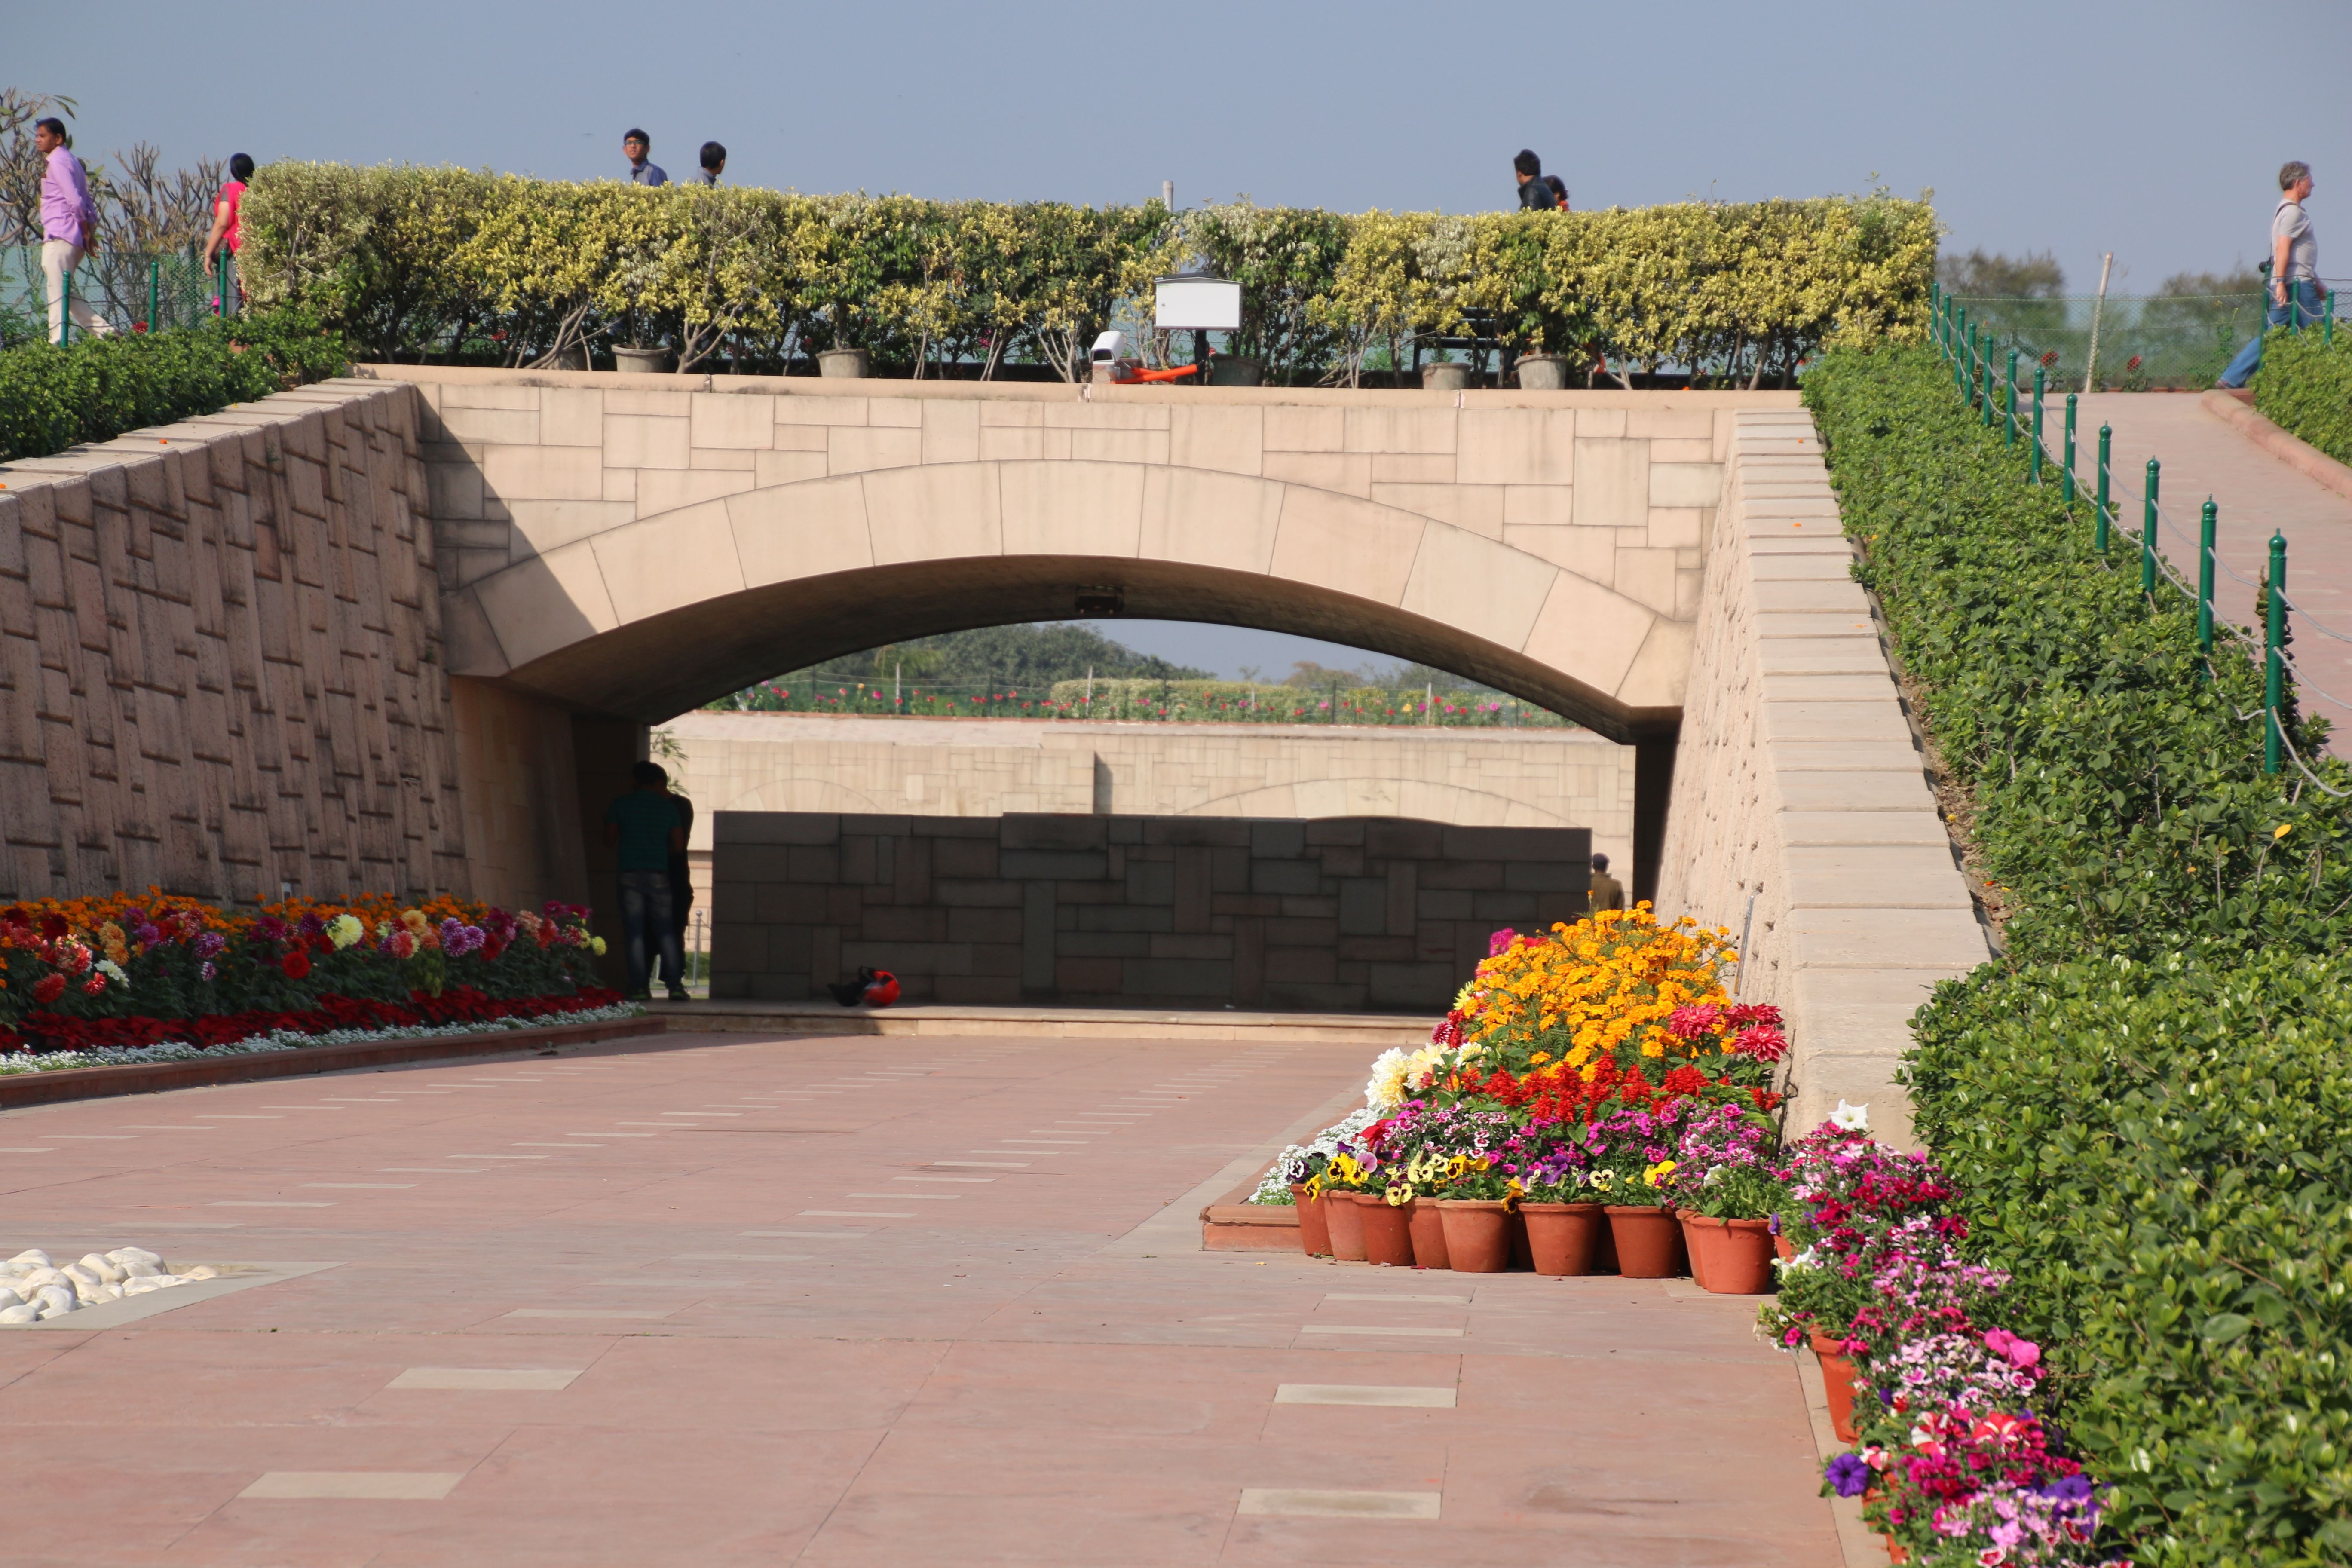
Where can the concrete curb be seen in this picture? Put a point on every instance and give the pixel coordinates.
(2293, 450)
(21, 1089)
(826, 1019)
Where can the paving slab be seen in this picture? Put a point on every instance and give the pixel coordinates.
(696, 1345)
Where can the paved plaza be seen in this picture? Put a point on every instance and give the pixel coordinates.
(722, 1301)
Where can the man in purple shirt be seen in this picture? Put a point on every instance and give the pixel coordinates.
(68, 220)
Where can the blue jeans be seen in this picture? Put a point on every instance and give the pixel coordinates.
(2303, 299)
(646, 909)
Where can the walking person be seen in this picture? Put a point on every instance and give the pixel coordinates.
(714, 163)
(1607, 892)
(68, 224)
(645, 830)
(226, 230)
(2296, 296)
(681, 893)
(1536, 193)
(637, 148)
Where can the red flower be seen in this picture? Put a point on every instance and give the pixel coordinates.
(297, 964)
(48, 988)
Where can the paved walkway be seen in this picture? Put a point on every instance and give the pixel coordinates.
(2257, 494)
(836, 1303)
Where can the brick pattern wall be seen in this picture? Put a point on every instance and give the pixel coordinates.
(218, 658)
(1339, 914)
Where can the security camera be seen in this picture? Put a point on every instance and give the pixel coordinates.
(1107, 345)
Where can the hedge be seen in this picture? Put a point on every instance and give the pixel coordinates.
(2143, 1101)
(437, 261)
(95, 389)
(2304, 386)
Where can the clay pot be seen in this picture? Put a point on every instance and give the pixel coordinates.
(1896, 1551)
(1346, 1225)
(1521, 1258)
(1730, 1257)
(1543, 372)
(1388, 1231)
(1314, 1229)
(1477, 1234)
(1563, 1238)
(639, 361)
(1444, 375)
(1837, 1384)
(846, 362)
(1649, 1241)
(1428, 1234)
(1690, 1247)
(1782, 1249)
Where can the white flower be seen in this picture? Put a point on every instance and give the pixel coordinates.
(1853, 1118)
(345, 929)
(113, 972)
(1386, 1090)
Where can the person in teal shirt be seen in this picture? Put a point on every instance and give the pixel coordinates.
(645, 829)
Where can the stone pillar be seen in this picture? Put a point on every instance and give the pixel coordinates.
(1653, 783)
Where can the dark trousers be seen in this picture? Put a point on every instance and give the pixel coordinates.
(645, 914)
(681, 908)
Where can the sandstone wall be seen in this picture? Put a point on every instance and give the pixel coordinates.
(219, 658)
(1798, 785)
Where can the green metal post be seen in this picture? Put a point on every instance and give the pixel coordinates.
(1963, 337)
(1985, 417)
(65, 309)
(2147, 531)
(2034, 464)
(154, 290)
(2009, 398)
(2067, 482)
(220, 286)
(2106, 440)
(2205, 528)
(2327, 333)
(2274, 655)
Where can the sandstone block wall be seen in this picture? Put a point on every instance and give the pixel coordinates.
(1334, 915)
(219, 658)
(1798, 785)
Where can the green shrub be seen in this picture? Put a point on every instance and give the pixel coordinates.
(96, 389)
(2306, 387)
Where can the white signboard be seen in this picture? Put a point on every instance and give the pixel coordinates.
(1198, 304)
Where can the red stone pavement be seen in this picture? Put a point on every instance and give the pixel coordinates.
(1030, 1363)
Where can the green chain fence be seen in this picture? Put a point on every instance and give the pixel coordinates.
(2124, 342)
(129, 292)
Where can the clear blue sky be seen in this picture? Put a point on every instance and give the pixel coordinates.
(2154, 129)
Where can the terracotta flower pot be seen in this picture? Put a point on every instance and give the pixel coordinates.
(1314, 1229)
(1346, 1223)
(1683, 1218)
(1477, 1234)
(1782, 1249)
(1730, 1257)
(1563, 1238)
(1428, 1234)
(1896, 1551)
(1837, 1384)
(1388, 1231)
(1649, 1241)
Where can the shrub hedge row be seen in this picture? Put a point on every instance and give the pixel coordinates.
(2306, 387)
(95, 389)
(412, 261)
(2144, 1100)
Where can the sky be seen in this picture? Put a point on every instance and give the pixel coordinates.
(2153, 129)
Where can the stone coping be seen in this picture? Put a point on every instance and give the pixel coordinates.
(826, 1019)
(20, 1090)
(943, 730)
(2238, 412)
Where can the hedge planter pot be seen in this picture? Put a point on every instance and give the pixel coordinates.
(1314, 1229)
(1730, 1257)
(1837, 1384)
(849, 363)
(1691, 1252)
(1428, 1234)
(640, 362)
(1563, 1238)
(1236, 372)
(1477, 1234)
(1543, 372)
(1649, 1241)
(1346, 1225)
(1444, 376)
(1388, 1231)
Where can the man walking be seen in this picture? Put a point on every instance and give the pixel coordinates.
(714, 163)
(1607, 892)
(637, 148)
(69, 222)
(1536, 193)
(645, 829)
(2295, 295)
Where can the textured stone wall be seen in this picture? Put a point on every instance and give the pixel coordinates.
(1797, 785)
(218, 658)
(1334, 915)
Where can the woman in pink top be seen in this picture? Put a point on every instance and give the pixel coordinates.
(224, 214)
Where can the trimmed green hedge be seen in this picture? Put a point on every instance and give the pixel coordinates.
(2306, 387)
(52, 398)
(2144, 1102)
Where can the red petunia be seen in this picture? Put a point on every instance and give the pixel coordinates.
(48, 988)
(296, 963)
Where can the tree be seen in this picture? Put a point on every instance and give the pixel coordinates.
(2034, 275)
(1028, 658)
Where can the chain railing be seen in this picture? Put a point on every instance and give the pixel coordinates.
(132, 293)
(2123, 343)
(1972, 350)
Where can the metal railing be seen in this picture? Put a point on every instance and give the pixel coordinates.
(2127, 342)
(132, 293)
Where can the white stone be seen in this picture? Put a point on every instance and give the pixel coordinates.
(33, 1256)
(8, 1296)
(201, 1271)
(84, 1278)
(24, 1314)
(127, 1256)
(108, 1270)
(139, 1268)
(56, 1298)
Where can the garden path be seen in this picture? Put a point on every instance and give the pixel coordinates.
(733, 1300)
(2255, 493)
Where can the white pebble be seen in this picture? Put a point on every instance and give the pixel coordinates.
(56, 1298)
(8, 1296)
(126, 1256)
(139, 1268)
(33, 1256)
(83, 1277)
(201, 1271)
(108, 1270)
(28, 1312)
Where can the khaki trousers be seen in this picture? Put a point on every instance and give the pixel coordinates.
(59, 258)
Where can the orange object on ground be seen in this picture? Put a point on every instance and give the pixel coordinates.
(1178, 373)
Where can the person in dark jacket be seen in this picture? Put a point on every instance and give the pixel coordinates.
(1536, 193)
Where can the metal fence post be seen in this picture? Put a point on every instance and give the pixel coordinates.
(154, 292)
(2205, 529)
(2274, 655)
(2009, 398)
(1985, 417)
(2147, 531)
(2035, 465)
(2066, 481)
(2106, 438)
(65, 307)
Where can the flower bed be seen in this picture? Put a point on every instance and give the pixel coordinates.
(87, 981)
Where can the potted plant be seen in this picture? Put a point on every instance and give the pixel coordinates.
(1563, 1219)
(1475, 1206)
(1385, 1211)
(1338, 1186)
(1726, 1190)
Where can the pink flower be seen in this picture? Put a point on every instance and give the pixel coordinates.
(2022, 1354)
(1763, 1042)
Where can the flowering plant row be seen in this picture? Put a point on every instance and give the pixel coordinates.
(125, 971)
